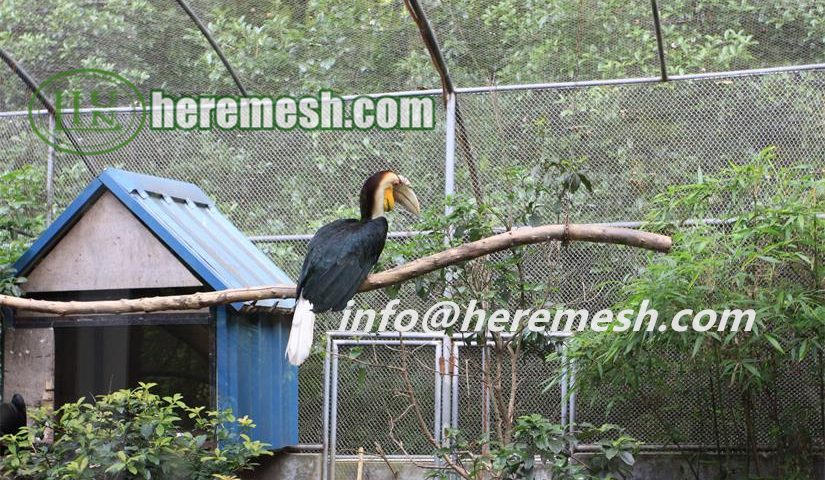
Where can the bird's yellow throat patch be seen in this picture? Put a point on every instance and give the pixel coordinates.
(389, 200)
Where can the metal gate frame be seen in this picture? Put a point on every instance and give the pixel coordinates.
(567, 402)
(336, 339)
(447, 393)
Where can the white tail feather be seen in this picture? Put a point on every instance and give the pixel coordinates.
(300, 336)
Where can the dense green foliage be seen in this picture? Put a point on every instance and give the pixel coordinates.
(763, 252)
(766, 255)
(133, 433)
(365, 46)
(21, 219)
(265, 181)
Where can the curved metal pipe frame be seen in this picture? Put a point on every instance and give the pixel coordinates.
(31, 85)
(209, 38)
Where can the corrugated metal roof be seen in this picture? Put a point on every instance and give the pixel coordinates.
(186, 220)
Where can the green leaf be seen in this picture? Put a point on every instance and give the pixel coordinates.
(774, 343)
(586, 182)
(753, 370)
(610, 453)
(697, 344)
(115, 467)
(627, 457)
(803, 349)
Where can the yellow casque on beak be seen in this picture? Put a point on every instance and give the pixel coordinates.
(402, 193)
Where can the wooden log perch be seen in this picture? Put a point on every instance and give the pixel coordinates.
(401, 273)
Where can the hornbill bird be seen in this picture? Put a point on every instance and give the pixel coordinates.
(341, 255)
(13, 415)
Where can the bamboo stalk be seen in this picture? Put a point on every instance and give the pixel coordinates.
(415, 268)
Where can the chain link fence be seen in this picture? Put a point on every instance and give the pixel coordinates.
(634, 140)
(634, 137)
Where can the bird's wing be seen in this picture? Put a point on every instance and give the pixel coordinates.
(9, 419)
(6, 416)
(340, 256)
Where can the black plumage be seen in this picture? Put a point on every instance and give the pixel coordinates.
(340, 256)
(13, 415)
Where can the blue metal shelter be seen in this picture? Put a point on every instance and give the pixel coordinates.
(252, 375)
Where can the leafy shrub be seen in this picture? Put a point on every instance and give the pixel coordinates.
(131, 434)
(764, 253)
(534, 436)
(21, 219)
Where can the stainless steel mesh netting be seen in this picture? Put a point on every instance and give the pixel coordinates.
(634, 140)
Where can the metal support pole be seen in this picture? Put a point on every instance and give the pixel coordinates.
(564, 400)
(449, 392)
(333, 434)
(50, 172)
(454, 368)
(437, 401)
(449, 157)
(446, 388)
(572, 389)
(326, 419)
(486, 414)
(657, 26)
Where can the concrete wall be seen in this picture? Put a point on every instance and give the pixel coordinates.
(649, 466)
(28, 365)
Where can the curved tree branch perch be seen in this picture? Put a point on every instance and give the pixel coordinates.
(415, 268)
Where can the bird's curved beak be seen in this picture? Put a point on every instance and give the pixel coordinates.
(405, 196)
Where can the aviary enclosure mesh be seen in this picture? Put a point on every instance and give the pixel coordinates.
(635, 138)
